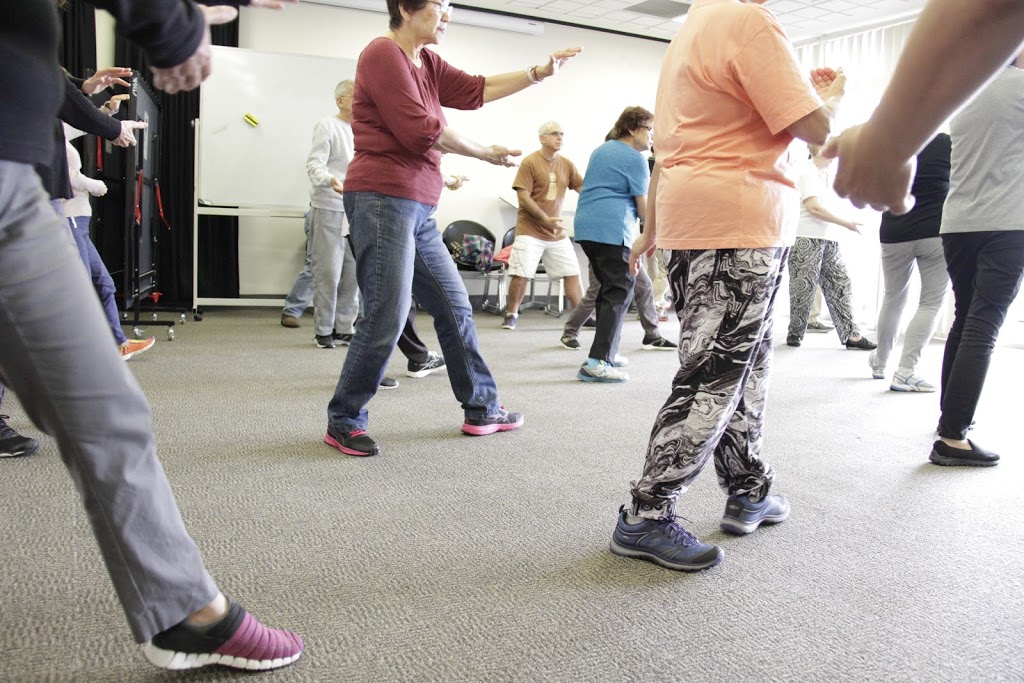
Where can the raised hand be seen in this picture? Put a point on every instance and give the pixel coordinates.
(194, 70)
(556, 61)
(104, 78)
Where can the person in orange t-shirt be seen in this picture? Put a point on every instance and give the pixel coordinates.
(731, 99)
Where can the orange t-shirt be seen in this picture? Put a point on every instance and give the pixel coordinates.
(730, 85)
(546, 182)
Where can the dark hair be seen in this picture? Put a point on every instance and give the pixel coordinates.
(395, 8)
(630, 119)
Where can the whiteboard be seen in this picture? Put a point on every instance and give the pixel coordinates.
(262, 165)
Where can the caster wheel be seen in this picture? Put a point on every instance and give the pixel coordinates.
(198, 317)
(182, 318)
(124, 316)
(153, 318)
(170, 334)
(137, 333)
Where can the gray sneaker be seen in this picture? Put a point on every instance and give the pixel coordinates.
(602, 373)
(909, 382)
(663, 542)
(743, 516)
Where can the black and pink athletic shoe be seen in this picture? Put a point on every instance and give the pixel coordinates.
(356, 442)
(238, 641)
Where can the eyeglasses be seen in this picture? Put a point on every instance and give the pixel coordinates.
(443, 7)
(556, 133)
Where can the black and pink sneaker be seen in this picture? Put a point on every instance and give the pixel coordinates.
(501, 421)
(238, 641)
(356, 442)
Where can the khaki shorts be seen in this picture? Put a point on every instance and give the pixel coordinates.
(559, 257)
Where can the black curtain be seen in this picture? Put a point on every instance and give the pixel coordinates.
(78, 55)
(218, 254)
(78, 42)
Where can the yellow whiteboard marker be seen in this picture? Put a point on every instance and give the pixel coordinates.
(252, 120)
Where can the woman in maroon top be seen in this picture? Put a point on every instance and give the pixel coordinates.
(391, 192)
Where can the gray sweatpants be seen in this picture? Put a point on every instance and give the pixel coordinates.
(79, 392)
(335, 289)
(897, 265)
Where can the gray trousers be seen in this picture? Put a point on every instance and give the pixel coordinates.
(81, 394)
(335, 289)
(897, 265)
(643, 297)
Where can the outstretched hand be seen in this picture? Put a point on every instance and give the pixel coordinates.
(556, 61)
(502, 156)
(867, 176)
(127, 136)
(104, 78)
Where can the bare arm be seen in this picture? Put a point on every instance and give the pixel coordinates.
(503, 85)
(453, 142)
(819, 211)
(526, 203)
(644, 245)
(816, 126)
(953, 50)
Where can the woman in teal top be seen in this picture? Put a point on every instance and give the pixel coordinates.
(613, 197)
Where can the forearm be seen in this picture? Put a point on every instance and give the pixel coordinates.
(527, 204)
(503, 85)
(169, 31)
(824, 214)
(79, 112)
(953, 50)
(453, 142)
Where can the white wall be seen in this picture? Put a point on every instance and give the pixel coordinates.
(613, 72)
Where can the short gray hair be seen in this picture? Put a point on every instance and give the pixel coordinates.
(346, 87)
(545, 127)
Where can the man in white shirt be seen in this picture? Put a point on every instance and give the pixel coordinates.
(335, 292)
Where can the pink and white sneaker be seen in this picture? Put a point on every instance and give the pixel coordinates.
(238, 641)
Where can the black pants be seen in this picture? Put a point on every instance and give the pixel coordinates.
(409, 343)
(985, 269)
(611, 266)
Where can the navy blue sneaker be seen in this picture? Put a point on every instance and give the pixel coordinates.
(743, 516)
(664, 542)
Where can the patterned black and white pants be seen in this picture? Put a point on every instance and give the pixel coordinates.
(819, 262)
(725, 300)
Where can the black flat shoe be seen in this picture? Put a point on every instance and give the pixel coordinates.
(948, 456)
(863, 344)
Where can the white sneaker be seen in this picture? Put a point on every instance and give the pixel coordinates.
(602, 373)
(910, 382)
(877, 369)
(620, 361)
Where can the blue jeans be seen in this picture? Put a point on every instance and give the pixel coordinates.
(400, 254)
(98, 273)
(301, 295)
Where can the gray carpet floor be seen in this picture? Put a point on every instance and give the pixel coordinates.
(453, 558)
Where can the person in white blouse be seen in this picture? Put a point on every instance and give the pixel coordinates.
(815, 259)
(78, 212)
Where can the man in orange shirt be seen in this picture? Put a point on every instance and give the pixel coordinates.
(731, 98)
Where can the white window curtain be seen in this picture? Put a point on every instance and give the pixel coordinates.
(868, 60)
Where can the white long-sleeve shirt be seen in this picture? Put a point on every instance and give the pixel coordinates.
(81, 184)
(332, 150)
